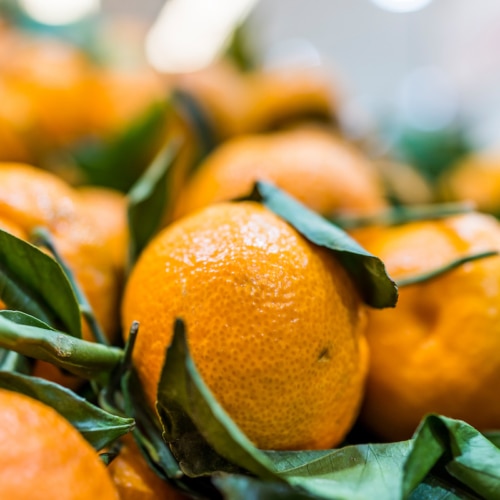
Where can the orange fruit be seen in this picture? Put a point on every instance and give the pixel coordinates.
(43, 456)
(50, 77)
(439, 349)
(241, 103)
(274, 323)
(31, 197)
(318, 168)
(119, 96)
(475, 178)
(133, 477)
(108, 210)
(45, 92)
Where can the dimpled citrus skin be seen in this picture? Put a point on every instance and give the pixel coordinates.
(313, 165)
(274, 323)
(439, 349)
(42, 456)
(31, 197)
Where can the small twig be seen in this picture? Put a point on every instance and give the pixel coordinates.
(43, 238)
(420, 278)
(113, 388)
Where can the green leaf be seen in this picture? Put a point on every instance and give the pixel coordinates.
(435, 273)
(11, 361)
(403, 214)
(468, 455)
(148, 431)
(119, 162)
(367, 271)
(236, 487)
(33, 282)
(149, 199)
(200, 433)
(80, 357)
(190, 110)
(97, 426)
(353, 472)
(435, 488)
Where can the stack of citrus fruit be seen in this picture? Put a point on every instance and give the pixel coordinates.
(45, 91)
(278, 326)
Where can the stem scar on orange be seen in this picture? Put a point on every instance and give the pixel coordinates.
(275, 324)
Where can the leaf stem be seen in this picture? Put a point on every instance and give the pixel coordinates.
(42, 237)
(420, 278)
(85, 359)
(400, 215)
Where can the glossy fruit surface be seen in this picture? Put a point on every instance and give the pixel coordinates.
(274, 323)
(43, 456)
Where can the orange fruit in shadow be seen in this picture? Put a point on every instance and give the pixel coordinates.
(439, 349)
(134, 479)
(108, 210)
(274, 323)
(31, 197)
(476, 179)
(43, 456)
(318, 168)
(241, 103)
(88, 230)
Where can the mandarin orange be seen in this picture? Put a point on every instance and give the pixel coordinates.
(274, 323)
(43, 456)
(439, 349)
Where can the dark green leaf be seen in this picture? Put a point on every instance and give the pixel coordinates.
(494, 437)
(188, 107)
(236, 487)
(435, 488)
(33, 282)
(148, 200)
(367, 271)
(148, 431)
(469, 456)
(80, 357)
(148, 437)
(99, 427)
(200, 433)
(119, 162)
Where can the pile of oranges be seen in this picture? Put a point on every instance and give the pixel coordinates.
(277, 325)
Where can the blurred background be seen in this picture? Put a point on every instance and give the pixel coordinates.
(420, 76)
(423, 63)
